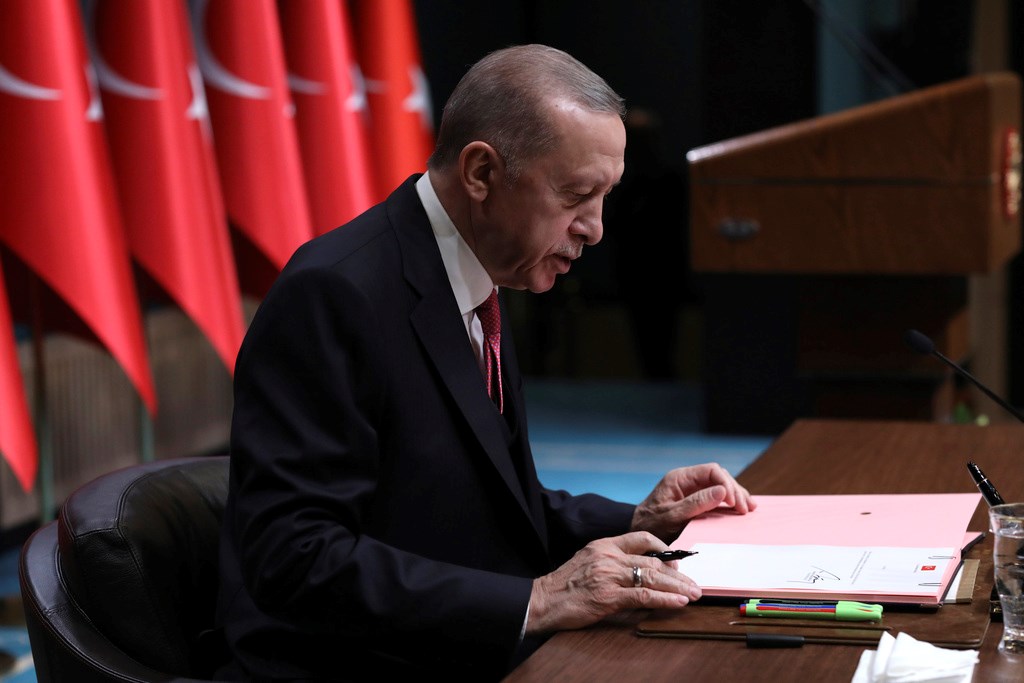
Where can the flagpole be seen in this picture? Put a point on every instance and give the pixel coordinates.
(44, 434)
(146, 439)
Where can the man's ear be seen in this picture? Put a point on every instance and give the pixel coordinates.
(479, 166)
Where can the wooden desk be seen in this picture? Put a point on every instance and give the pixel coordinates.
(812, 456)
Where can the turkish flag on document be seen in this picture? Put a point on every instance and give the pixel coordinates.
(158, 129)
(241, 54)
(17, 435)
(402, 128)
(330, 105)
(59, 212)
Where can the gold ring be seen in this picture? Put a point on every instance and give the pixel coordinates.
(638, 577)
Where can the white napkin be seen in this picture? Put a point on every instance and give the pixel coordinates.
(904, 659)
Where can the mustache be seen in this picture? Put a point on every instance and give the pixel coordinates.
(571, 251)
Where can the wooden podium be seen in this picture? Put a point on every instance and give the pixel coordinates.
(820, 242)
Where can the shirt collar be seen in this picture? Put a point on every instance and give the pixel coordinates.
(469, 280)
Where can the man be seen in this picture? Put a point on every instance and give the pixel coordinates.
(384, 513)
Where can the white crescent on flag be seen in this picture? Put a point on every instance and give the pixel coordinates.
(213, 71)
(9, 83)
(108, 78)
(305, 86)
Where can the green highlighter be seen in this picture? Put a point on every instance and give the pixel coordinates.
(839, 610)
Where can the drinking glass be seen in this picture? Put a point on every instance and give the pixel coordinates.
(1007, 523)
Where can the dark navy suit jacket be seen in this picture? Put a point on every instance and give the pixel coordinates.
(376, 522)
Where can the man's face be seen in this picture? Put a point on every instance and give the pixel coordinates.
(530, 233)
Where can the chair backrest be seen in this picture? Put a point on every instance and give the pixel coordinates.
(122, 585)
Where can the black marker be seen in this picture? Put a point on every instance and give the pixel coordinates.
(992, 496)
(669, 555)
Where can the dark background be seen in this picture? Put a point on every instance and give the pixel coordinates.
(704, 71)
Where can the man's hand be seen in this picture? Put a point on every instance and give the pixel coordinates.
(686, 492)
(598, 581)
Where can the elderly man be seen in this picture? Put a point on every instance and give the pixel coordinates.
(384, 514)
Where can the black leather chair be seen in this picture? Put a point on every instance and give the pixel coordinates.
(122, 585)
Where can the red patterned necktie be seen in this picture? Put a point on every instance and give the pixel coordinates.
(490, 320)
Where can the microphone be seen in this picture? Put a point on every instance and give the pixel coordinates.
(922, 344)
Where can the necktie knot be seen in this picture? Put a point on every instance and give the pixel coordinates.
(490, 320)
(490, 315)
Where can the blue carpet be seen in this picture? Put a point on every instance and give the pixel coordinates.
(14, 639)
(613, 438)
(619, 438)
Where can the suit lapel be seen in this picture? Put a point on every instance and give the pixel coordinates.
(438, 323)
(510, 365)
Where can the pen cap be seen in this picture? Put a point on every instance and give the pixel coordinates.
(857, 611)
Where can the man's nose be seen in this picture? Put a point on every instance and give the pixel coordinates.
(589, 225)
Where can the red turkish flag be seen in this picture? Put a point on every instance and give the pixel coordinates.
(17, 436)
(331, 114)
(402, 128)
(170, 194)
(241, 54)
(60, 216)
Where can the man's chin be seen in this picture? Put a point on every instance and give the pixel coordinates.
(538, 279)
(539, 285)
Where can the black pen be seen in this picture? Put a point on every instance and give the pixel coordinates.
(992, 496)
(669, 555)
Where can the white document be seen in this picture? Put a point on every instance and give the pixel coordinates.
(819, 571)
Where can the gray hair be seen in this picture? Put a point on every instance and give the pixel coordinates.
(504, 100)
